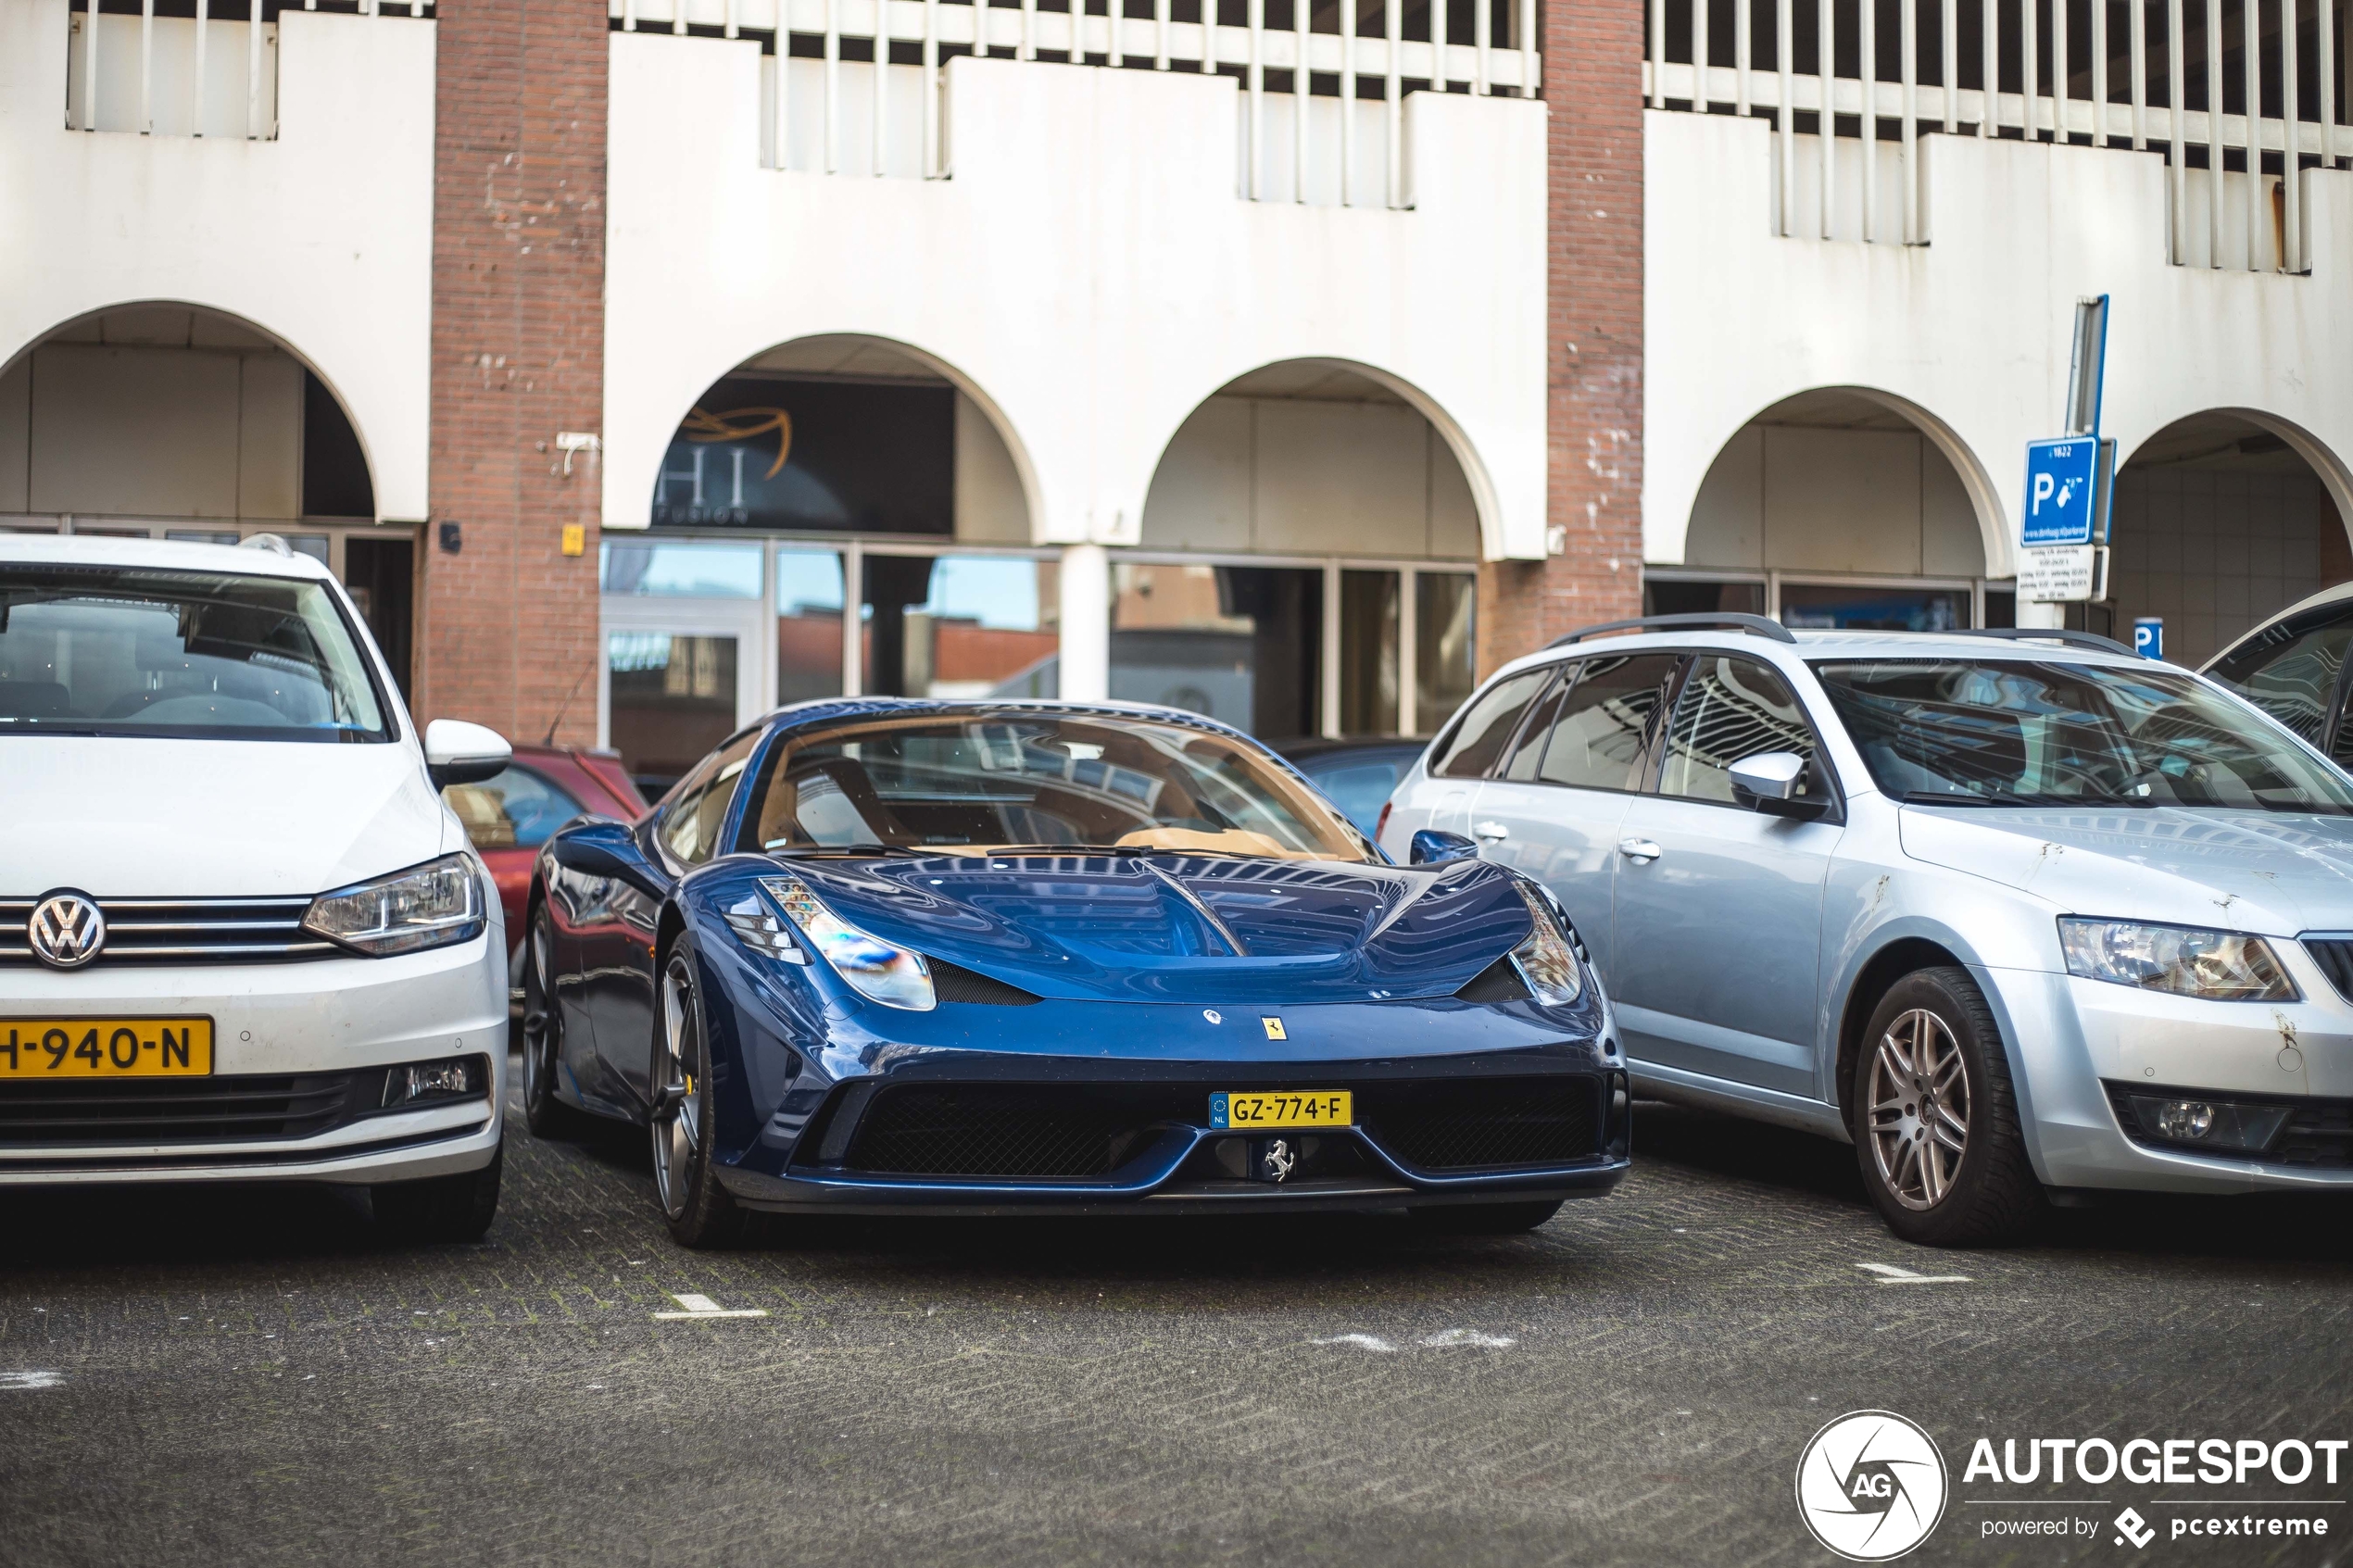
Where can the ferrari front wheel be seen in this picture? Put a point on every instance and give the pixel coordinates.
(543, 1038)
(699, 1212)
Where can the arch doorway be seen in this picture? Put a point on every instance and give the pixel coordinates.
(1305, 564)
(1836, 507)
(2219, 521)
(173, 421)
(850, 504)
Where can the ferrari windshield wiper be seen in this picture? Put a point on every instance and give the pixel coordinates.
(1123, 850)
(831, 851)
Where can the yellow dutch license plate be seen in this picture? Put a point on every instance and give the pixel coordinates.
(1254, 1109)
(104, 1048)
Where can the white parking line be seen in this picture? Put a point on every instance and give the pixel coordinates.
(1889, 1274)
(10, 1380)
(702, 1306)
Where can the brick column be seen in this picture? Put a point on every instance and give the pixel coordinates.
(1593, 83)
(507, 627)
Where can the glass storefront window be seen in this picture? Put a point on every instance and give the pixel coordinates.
(1445, 645)
(1368, 634)
(1241, 644)
(681, 570)
(672, 698)
(961, 626)
(808, 596)
(1858, 608)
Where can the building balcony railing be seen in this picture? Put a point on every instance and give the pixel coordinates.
(837, 108)
(2174, 76)
(186, 68)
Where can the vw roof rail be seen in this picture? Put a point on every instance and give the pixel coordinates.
(1760, 625)
(2048, 634)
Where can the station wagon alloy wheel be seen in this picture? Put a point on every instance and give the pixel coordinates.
(1919, 1108)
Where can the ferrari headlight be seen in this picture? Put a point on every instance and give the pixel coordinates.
(2219, 966)
(890, 974)
(433, 905)
(1545, 959)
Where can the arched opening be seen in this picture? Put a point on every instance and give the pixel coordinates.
(2219, 521)
(830, 471)
(1306, 561)
(170, 420)
(1839, 506)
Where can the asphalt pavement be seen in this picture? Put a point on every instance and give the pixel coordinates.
(250, 1376)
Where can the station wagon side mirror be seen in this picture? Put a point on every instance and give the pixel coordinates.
(1435, 847)
(1769, 782)
(460, 753)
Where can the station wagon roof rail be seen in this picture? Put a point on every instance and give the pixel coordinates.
(1761, 625)
(2048, 634)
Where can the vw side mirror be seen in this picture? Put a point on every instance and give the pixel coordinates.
(460, 753)
(1769, 781)
(1435, 847)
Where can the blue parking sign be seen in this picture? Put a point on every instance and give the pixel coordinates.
(2061, 490)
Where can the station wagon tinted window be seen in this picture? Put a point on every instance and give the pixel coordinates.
(1971, 733)
(1480, 739)
(1731, 709)
(96, 650)
(1594, 737)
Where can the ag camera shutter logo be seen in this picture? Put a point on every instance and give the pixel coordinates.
(1871, 1485)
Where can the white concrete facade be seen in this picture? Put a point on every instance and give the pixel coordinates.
(321, 238)
(1087, 277)
(1968, 335)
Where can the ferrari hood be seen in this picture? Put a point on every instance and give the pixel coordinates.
(2266, 871)
(1187, 928)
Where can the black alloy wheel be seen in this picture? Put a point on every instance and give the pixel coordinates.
(699, 1212)
(1935, 1119)
(543, 1038)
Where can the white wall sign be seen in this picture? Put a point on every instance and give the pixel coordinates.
(2049, 575)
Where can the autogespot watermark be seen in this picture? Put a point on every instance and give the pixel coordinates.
(1872, 1484)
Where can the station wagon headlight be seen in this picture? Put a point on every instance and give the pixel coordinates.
(892, 975)
(1545, 959)
(434, 904)
(2218, 966)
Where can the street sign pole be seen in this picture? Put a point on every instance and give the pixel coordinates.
(2070, 482)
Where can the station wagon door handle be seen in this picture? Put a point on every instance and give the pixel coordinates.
(1492, 831)
(1642, 851)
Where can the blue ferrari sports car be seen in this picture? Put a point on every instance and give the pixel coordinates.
(881, 954)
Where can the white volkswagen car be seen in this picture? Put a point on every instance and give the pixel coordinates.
(241, 937)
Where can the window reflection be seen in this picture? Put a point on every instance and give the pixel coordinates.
(705, 571)
(1241, 644)
(808, 625)
(1445, 645)
(961, 626)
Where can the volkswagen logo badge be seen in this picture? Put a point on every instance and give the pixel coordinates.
(66, 931)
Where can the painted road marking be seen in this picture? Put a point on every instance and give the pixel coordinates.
(1361, 1341)
(1445, 1338)
(9, 1380)
(1889, 1274)
(702, 1306)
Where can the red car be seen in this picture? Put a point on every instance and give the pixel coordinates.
(510, 817)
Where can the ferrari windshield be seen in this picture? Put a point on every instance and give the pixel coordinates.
(987, 781)
(107, 650)
(2024, 732)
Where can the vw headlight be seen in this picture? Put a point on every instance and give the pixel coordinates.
(890, 974)
(433, 905)
(2218, 966)
(1545, 959)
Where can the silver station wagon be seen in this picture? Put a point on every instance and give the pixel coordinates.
(2019, 914)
